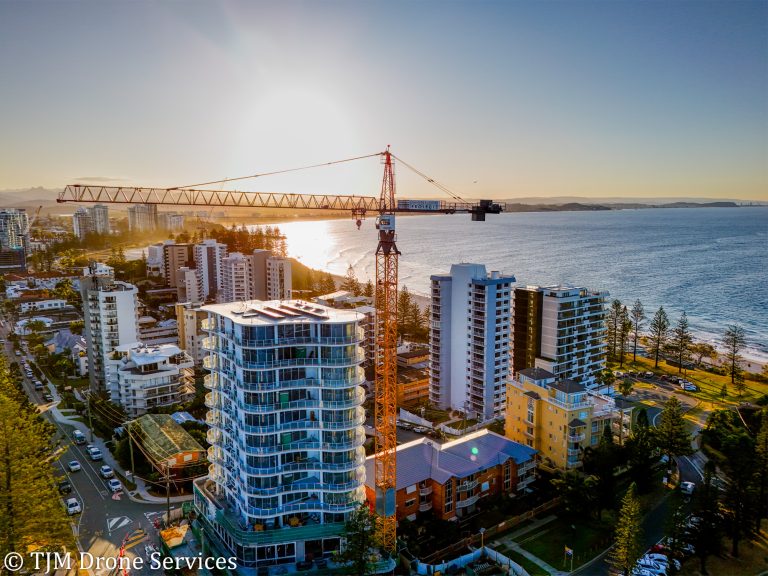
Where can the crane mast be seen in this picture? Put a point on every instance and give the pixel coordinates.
(385, 391)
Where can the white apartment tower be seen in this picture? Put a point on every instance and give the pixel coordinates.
(286, 430)
(82, 224)
(469, 340)
(99, 218)
(209, 260)
(560, 329)
(256, 276)
(111, 319)
(142, 217)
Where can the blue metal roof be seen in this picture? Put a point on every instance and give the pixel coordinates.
(424, 459)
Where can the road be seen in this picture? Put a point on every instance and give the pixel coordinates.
(691, 469)
(106, 520)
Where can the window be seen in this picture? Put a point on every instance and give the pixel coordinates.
(409, 503)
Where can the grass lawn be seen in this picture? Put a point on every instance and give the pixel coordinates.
(752, 560)
(586, 538)
(711, 384)
(531, 567)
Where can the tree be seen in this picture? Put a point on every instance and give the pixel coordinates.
(739, 464)
(359, 532)
(627, 547)
(625, 327)
(658, 337)
(641, 420)
(76, 326)
(681, 341)
(702, 350)
(368, 290)
(671, 436)
(637, 315)
(641, 452)
(625, 389)
(708, 534)
(613, 324)
(32, 516)
(761, 468)
(351, 283)
(578, 492)
(601, 461)
(739, 383)
(734, 340)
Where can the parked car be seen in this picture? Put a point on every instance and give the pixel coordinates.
(65, 487)
(73, 506)
(114, 485)
(47, 397)
(687, 488)
(652, 567)
(106, 472)
(38, 385)
(648, 374)
(74, 466)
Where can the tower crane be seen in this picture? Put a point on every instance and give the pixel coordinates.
(385, 207)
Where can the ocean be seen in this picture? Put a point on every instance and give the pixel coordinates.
(710, 262)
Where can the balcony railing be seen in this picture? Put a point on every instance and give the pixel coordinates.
(425, 491)
(465, 486)
(425, 506)
(467, 501)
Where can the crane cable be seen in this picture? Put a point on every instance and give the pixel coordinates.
(275, 172)
(432, 181)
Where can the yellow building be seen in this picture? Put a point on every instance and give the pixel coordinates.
(559, 418)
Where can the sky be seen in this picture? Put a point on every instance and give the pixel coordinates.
(493, 99)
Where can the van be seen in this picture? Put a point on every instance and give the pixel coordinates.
(79, 437)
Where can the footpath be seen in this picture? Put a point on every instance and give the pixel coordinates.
(140, 495)
(514, 539)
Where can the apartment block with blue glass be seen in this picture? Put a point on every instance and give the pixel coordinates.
(287, 463)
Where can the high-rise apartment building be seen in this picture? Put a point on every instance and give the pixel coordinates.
(286, 430)
(14, 239)
(257, 276)
(171, 221)
(147, 377)
(99, 218)
(94, 220)
(142, 218)
(560, 329)
(469, 340)
(209, 257)
(175, 257)
(188, 285)
(81, 223)
(559, 418)
(189, 322)
(111, 319)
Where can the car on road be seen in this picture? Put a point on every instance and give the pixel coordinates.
(95, 454)
(47, 397)
(73, 506)
(114, 485)
(65, 486)
(74, 466)
(38, 385)
(648, 374)
(106, 472)
(687, 488)
(78, 437)
(420, 430)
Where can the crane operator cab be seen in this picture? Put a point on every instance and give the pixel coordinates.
(385, 222)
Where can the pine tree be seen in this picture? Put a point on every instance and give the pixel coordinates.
(627, 547)
(368, 290)
(734, 340)
(708, 534)
(351, 283)
(359, 533)
(625, 327)
(32, 516)
(761, 468)
(613, 324)
(740, 466)
(672, 438)
(637, 316)
(659, 328)
(681, 342)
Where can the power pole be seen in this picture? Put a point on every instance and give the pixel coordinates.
(130, 446)
(167, 495)
(90, 420)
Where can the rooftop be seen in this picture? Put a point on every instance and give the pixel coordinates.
(568, 386)
(264, 313)
(536, 373)
(424, 459)
(166, 437)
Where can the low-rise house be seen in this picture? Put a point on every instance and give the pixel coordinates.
(448, 480)
(74, 345)
(165, 441)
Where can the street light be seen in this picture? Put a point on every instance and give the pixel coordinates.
(482, 538)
